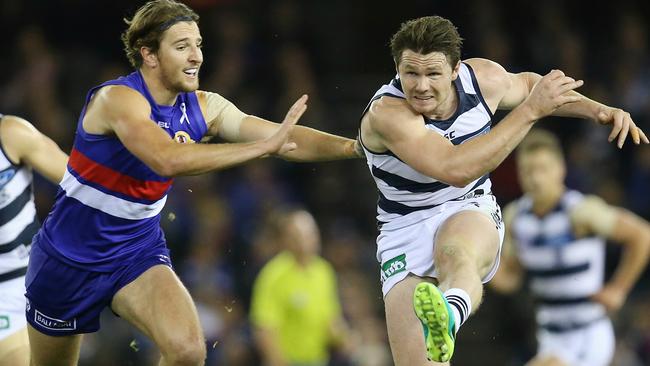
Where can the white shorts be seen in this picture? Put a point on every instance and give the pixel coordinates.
(12, 306)
(592, 345)
(409, 249)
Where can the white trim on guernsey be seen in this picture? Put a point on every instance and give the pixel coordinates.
(106, 203)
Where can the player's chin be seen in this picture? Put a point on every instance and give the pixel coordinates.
(188, 86)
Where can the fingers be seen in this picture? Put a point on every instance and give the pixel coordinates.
(296, 111)
(617, 125)
(623, 134)
(644, 138)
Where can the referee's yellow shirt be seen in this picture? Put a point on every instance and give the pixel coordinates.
(299, 303)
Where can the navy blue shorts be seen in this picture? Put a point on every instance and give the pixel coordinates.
(65, 300)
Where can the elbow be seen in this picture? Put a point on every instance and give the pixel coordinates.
(459, 179)
(165, 167)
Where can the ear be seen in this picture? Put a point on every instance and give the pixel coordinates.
(455, 70)
(149, 57)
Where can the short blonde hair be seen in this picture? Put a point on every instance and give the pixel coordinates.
(539, 139)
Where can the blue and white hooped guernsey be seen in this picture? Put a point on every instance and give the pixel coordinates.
(564, 271)
(109, 202)
(407, 196)
(18, 220)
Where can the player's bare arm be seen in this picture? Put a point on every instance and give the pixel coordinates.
(226, 121)
(131, 124)
(24, 144)
(509, 277)
(492, 81)
(594, 216)
(401, 130)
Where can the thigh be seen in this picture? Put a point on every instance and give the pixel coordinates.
(47, 350)
(404, 329)
(158, 304)
(14, 349)
(474, 234)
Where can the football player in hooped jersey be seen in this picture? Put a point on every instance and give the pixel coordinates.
(557, 237)
(24, 149)
(429, 144)
(102, 244)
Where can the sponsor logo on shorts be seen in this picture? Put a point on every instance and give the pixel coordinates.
(53, 323)
(4, 322)
(393, 266)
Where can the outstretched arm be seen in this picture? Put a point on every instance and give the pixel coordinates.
(433, 155)
(621, 226)
(24, 144)
(228, 122)
(521, 84)
(130, 122)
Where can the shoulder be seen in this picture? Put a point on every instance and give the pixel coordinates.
(491, 76)
(385, 111)
(593, 214)
(120, 94)
(589, 206)
(17, 136)
(118, 102)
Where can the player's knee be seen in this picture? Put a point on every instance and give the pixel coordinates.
(185, 351)
(451, 255)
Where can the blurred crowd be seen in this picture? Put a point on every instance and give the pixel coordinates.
(262, 55)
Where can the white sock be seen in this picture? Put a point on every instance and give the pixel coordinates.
(461, 305)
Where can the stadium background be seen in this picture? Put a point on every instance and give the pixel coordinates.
(262, 55)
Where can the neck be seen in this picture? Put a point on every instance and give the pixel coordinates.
(543, 204)
(160, 93)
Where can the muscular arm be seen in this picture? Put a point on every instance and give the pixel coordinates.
(312, 145)
(509, 277)
(131, 124)
(393, 125)
(520, 85)
(620, 226)
(24, 144)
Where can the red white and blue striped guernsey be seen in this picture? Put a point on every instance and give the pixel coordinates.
(108, 205)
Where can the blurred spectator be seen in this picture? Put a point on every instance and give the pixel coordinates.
(295, 308)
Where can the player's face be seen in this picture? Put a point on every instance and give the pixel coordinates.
(302, 234)
(427, 82)
(180, 57)
(540, 172)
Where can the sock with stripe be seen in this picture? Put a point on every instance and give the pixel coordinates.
(461, 305)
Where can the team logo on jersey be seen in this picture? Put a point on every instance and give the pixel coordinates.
(393, 266)
(6, 175)
(183, 137)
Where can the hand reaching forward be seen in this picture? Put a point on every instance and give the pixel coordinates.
(611, 297)
(552, 92)
(279, 143)
(622, 124)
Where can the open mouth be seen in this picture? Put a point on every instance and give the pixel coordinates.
(191, 72)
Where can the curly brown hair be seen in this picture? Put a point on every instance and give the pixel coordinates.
(425, 35)
(148, 25)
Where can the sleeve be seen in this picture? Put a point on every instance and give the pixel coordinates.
(225, 114)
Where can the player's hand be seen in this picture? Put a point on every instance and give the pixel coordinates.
(611, 297)
(551, 92)
(622, 124)
(279, 143)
